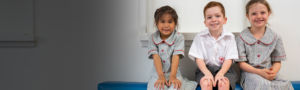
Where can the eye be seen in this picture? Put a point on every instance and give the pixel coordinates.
(209, 17)
(170, 21)
(218, 16)
(263, 12)
(253, 13)
(162, 21)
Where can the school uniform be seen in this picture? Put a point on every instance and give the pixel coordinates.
(214, 52)
(173, 45)
(260, 54)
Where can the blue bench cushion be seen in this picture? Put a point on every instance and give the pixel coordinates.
(143, 86)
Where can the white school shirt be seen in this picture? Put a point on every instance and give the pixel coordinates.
(213, 51)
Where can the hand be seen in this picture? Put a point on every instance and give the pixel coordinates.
(209, 77)
(220, 78)
(173, 80)
(272, 73)
(160, 83)
(265, 73)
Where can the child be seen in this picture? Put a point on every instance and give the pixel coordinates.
(260, 51)
(166, 47)
(213, 51)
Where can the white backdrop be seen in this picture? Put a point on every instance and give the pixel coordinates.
(190, 13)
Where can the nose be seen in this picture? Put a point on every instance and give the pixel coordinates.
(214, 18)
(259, 15)
(166, 25)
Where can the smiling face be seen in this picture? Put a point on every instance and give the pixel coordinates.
(214, 19)
(258, 15)
(166, 25)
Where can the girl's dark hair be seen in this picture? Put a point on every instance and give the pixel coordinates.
(165, 10)
(251, 2)
(214, 4)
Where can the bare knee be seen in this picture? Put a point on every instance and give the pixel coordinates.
(224, 84)
(204, 83)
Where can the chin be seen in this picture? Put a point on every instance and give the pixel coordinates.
(166, 34)
(214, 29)
(260, 26)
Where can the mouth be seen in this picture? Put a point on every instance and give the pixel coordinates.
(259, 20)
(165, 30)
(214, 24)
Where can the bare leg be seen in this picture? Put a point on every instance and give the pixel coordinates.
(224, 84)
(205, 84)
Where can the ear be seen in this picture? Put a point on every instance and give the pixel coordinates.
(269, 13)
(247, 16)
(225, 20)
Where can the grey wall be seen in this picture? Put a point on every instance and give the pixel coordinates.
(83, 42)
(79, 43)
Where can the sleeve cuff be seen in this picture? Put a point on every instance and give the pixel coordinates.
(241, 59)
(179, 52)
(151, 52)
(278, 58)
(193, 56)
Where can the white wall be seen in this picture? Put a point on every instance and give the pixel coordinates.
(83, 42)
(284, 21)
(190, 13)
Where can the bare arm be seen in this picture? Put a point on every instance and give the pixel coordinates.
(276, 66)
(207, 74)
(225, 67)
(248, 68)
(201, 65)
(174, 65)
(158, 65)
(262, 72)
(220, 75)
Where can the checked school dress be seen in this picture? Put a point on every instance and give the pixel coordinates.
(260, 54)
(173, 45)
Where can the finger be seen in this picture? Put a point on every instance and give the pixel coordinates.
(206, 80)
(222, 81)
(159, 86)
(179, 84)
(163, 86)
(226, 79)
(175, 84)
(155, 85)
(214, 82)
(167, 83)
(216, 79)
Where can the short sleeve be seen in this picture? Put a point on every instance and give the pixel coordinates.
(152, 48)
(195, 50)
(278, 53)
(179, 46)
(241, 50)
(231, 52)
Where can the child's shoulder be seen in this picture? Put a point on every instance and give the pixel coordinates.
(178, 34)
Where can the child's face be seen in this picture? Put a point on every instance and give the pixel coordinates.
(258, 15)
(166, 25)
(214, 19)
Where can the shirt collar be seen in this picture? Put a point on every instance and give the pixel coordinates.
(267, 39)
(170, 40)
(224, 33)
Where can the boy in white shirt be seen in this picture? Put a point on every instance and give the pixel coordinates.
(214, 50)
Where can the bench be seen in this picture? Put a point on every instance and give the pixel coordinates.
(143, 86)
